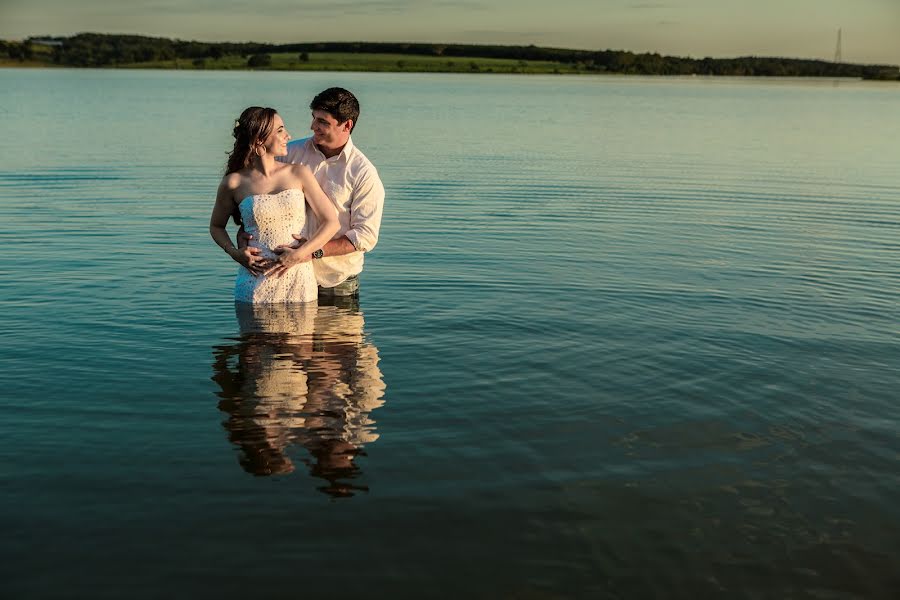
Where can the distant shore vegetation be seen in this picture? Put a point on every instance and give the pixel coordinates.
(131, 51)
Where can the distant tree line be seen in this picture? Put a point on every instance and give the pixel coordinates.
(17, 50)
(618, 61)
(105, 50)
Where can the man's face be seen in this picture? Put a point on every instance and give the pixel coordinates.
(327, 132)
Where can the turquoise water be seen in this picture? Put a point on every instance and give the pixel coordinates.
(621, 337)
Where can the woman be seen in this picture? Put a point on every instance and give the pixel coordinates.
(270, 198)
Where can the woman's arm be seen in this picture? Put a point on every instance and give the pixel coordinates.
(222, 211)
(326, 216)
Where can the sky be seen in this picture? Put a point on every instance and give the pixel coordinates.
(695, 28)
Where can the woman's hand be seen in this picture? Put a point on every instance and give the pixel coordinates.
(255, 263)
(250, 258)
(288, 256)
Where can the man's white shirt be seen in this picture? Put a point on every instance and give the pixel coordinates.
(353, 185)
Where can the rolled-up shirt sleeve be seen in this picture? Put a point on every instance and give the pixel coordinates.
(365, 211)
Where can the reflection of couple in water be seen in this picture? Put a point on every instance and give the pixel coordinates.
(301, 376)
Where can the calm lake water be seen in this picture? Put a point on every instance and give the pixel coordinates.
(621, 338)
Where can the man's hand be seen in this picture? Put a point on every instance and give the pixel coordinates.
(243, 238)
(298, 241)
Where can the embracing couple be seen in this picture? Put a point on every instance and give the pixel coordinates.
(288, 253)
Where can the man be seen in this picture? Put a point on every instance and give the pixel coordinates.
(352, 184)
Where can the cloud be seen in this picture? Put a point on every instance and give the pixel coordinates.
(483, 34)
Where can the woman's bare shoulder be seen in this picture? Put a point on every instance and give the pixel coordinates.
(231, 181)
(300, 171)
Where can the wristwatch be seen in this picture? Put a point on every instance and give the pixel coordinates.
(318, 253)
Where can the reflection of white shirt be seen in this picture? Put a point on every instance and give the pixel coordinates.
(354, 187)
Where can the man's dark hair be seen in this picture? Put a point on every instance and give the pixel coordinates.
(339, 103)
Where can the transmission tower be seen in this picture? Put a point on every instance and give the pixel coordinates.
(837, 50)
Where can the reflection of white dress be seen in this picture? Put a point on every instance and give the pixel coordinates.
(271, 219)
(312, 372)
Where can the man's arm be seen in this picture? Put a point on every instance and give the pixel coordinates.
(365, 219)
(338, 247)
(365, 212)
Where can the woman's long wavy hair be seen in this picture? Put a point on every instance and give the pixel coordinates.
(250, 130)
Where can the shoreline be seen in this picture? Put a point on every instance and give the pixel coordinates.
(847, 78)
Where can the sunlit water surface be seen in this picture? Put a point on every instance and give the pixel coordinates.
(621, 337)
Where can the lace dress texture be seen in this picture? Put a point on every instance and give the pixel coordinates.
(271, 219)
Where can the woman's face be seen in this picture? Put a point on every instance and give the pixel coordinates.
(276, 143)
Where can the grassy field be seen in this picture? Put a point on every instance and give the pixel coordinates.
(368, 62)
(12, 62)
(338, 62)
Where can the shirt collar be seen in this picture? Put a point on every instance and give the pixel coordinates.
(345, 152)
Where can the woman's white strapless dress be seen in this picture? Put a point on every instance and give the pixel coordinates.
(271, 219)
